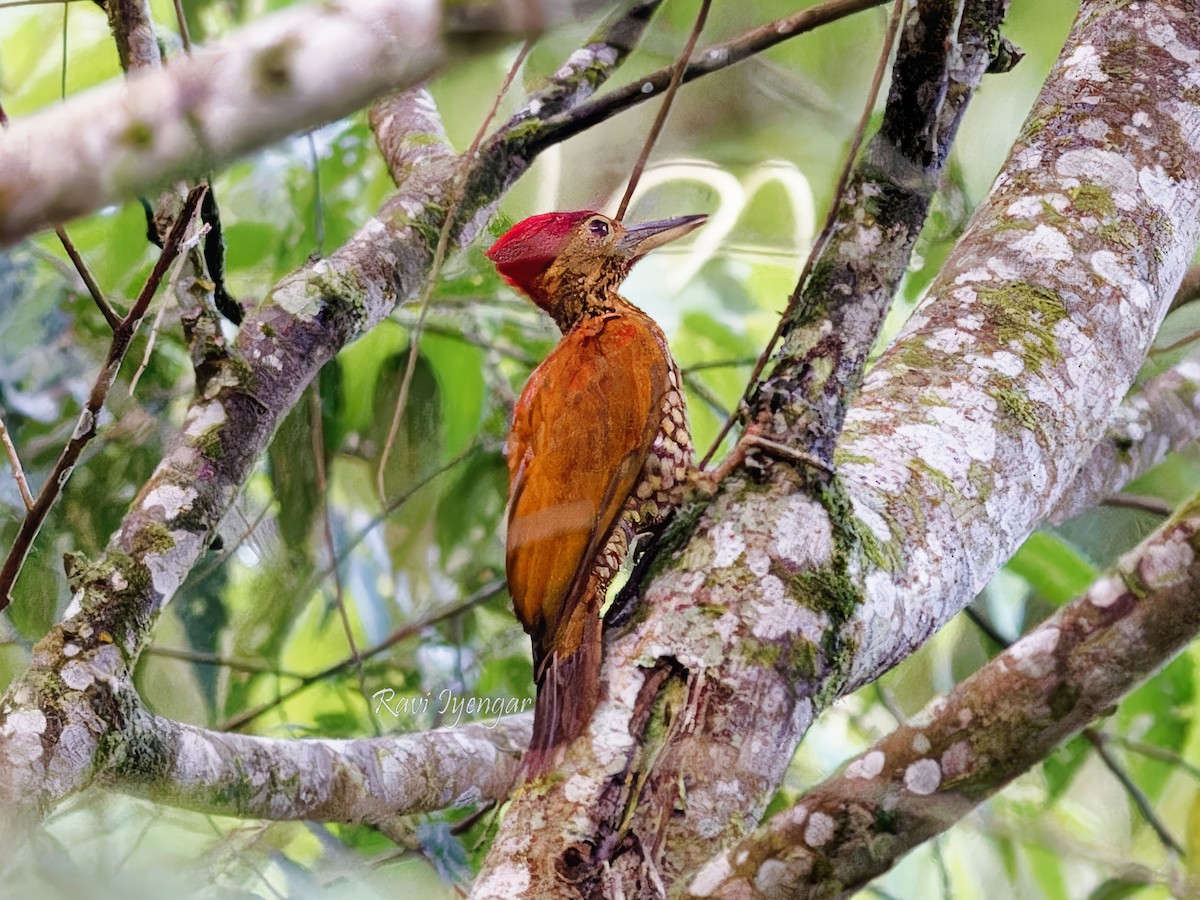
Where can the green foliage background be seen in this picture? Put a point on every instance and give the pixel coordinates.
(758, 147)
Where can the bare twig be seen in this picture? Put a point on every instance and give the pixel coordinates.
(558, 128)
(831, 217)
(439, 256)
(15, 461)
(199, 657)
(85, 430)
(1140, 502)
(339, 591)
(482, 595)
(1135, 793)
(665, 109)
(89, 279)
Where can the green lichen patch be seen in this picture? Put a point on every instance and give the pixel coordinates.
(273, 67)
(1025, 315)
(138, 135)
(1093, 200)
(1017, 405)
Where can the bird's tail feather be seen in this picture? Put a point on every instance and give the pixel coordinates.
(568, 689)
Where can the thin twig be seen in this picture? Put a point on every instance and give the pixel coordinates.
(15, 461)
(89, 279)
(1159, 754)
(1135, 793)
(1140, 502)
(152, 337)
(183, 27)
(664, 109)
(558, 128)
(406, 631)
(382, 516)
(63, 65)
(202, 658)
(439, 256)
(85, 430)
(339, 591)
(831, 218)
(10, 4)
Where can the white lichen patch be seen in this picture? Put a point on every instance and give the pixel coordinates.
(198, 757)
(77, 676)
(1043, 242)
(866, 766)
(777, 614)
(84, 425)
(775, 878)
(1108, 266)
(1165, 564)
(710, 877)
(1106, 591)
(70, 650)
(801, 534)
(758, 562)
(1027, 207)
(204, 417)
(1141, 119)
(1094, 130)
(923, 777)
(958, 759)
(1163, 34)
(25, 721)
(728, 545)
(504, 882)
(1105, 168)
(172, 498)
(167, 569)
(1033, 655)
(1084, 65)
(819, 830)
(920, 743)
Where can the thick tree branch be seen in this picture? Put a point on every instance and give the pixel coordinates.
(288, 72)
(975, 423)
(833, 320)
(365, 780)
(1156, 418)
(925, 776)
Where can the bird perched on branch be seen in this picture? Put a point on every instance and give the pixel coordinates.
(599, 448)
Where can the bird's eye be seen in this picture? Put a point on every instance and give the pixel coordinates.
(599, 228)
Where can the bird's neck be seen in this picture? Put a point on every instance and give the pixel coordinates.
(573, 297)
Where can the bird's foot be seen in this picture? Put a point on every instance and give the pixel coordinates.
(704, 482)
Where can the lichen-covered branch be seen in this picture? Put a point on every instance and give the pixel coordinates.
(364, 780)
(925, 776)
(978, 419)
(1156, 418)
(294, 70)
(832, 324)
(69, 711)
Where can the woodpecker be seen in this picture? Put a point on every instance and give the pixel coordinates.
(599, 449)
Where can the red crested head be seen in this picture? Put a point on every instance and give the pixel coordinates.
(529, 247)
(568, 262)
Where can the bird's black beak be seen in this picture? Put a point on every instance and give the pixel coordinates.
(638, 240)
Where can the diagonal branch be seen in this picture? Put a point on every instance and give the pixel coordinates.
(89, 417)
(738, 636)
(363, 780)
(925, 776)
(833, 319)
(283, 74)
